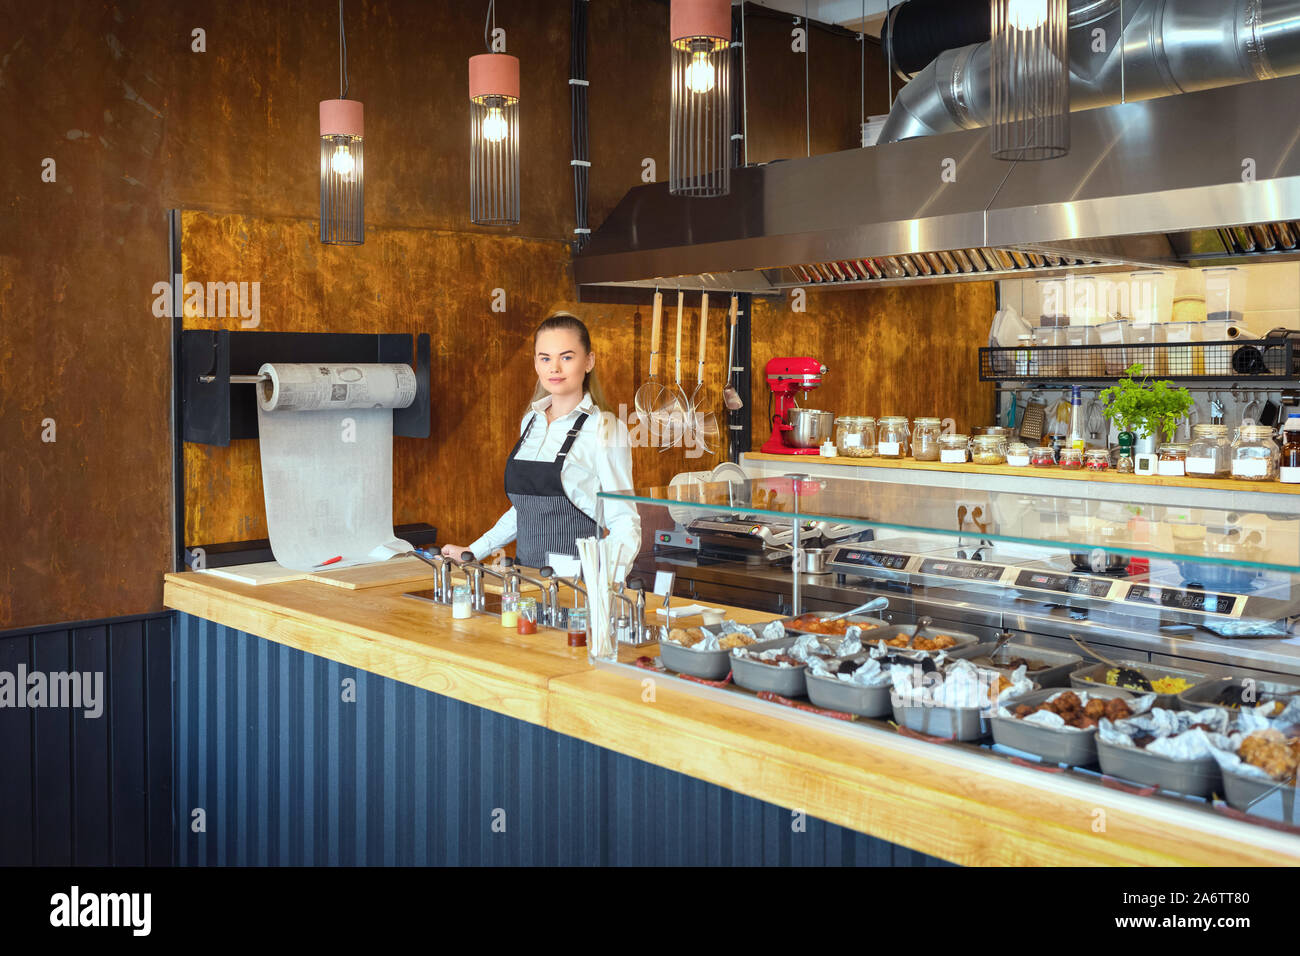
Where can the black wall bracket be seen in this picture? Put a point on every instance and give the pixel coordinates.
(213, 411)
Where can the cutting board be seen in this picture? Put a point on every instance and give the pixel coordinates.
(264, 572)
(398, 570)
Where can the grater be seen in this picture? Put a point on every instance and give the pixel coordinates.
(1031, 426)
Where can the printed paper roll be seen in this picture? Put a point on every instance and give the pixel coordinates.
(326, 436)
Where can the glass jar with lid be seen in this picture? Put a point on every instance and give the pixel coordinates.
(1172, 462)
(925, 439)
(891, 437)
(1071, 459)
(1042, 457)
(1018, 454)
(1097, 459)
(953, 448)
(855, 436)
(1210, 453)
(988, 449)
(1255, 455)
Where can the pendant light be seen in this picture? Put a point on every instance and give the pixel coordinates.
(493, 134)
(342, 161)
(699, 138)
(1030, 79)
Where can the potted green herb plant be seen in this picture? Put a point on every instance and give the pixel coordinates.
(1145, 408)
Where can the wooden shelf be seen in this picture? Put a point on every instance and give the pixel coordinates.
(1220, 484)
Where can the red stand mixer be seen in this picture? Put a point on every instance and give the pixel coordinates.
(795, 430)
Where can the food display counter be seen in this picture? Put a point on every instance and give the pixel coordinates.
(1185, 616)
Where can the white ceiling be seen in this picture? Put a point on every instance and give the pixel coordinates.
(844, 13)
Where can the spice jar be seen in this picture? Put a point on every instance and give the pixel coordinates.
(891, 437)
(925, 439)
(1097, 459)
(855, 436)
(1210, 453)
(1018, 454)
(577, 627)
(460, 606)
(1173, 460)
(1042, 457)
(1255, 455)
(1071, 459)
(528, 616)
(953, 448)
(988, 449)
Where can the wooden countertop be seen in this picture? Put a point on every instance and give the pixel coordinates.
(935, 798)
(1220, 484)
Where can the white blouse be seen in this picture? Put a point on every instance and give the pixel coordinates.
(600, 460)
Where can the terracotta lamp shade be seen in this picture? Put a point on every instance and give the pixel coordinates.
(1030, 79)
(494, 139)
(699, 137)
(342, 173)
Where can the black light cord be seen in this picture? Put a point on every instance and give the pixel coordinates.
(489, 20)
(343, 56)
(578, 124)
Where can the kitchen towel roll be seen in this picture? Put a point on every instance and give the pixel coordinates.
(326, 436)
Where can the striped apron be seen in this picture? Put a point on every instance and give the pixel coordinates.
(547, 520)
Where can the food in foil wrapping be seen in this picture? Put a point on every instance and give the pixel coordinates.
(960, 685)
(1177, 734)
(700, 639)
(1273, 752)
(1079, 712)
(937, 642)
(814, 624)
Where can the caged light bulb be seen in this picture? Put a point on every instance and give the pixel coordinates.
(1027, 14)
(494, 125)
(342, 162)
(699, 75)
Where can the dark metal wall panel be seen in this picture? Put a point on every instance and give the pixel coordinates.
(83, 791)
(289, 772)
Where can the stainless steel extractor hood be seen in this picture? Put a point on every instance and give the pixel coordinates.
(1204, 178)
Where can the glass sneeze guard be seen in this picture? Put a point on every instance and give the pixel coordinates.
(1249, 540)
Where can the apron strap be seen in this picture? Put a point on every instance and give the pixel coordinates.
(573, 435)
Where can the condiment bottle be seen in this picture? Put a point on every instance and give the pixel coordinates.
(577, 627)
(1289, 470)
(1124, 464)
(510, 610)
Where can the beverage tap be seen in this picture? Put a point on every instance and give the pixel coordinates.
(550, 604)
(510, 580)
(474, 573)
(442, 574)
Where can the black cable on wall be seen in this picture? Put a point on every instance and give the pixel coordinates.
(581, 161)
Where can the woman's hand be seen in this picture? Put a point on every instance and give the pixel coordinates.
(453, 551)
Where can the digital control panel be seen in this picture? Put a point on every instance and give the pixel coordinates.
(965, 570)
(1063, 583)
(873, 559)
(1182, 600)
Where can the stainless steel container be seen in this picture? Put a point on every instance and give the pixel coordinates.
(1060, 664)
(711, 665)
(1265, 798)
(809, 427)
(755, 675)
(1087, 678)
(1076, 748)
(835, 694)
(1202, 695)
(1198, 778)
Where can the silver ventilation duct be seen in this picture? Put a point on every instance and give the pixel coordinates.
(1210, 177)
(1169, 47)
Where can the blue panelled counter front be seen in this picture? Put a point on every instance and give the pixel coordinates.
(322, 725)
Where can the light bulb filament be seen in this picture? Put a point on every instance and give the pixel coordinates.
(699, 75)
(342, 162)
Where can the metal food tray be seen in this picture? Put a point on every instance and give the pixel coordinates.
(964, 639)
(786, 681)
(1198, 697)
(1077, 748)
(1057, 674)
(711, 665)
(1264, 798)
(1198, 778)
(962, 723)
(1080, 677)
(835, 694)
